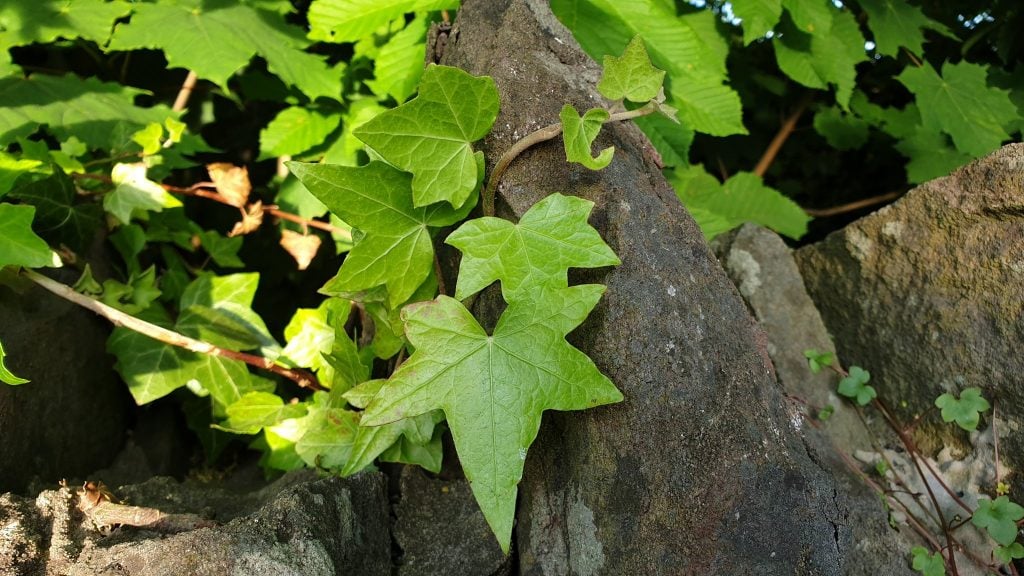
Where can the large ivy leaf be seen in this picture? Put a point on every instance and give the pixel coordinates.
(5, 375)
(578, 134)
(216, 38)
(431, 135)
(965, 410)
(59, 218)
(960, 103)
(896, 23)
(295, 130)
(24, 22)
(349, 20)
(820, 60)
(759, 17)
(550, 238)
(19, 245)
(399, 64)
(102, 115)
(631, 76)
(493, 388)
(396, 250)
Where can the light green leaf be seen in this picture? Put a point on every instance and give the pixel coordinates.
(19, 245)
(223, 250)
(277, 445)
(999, 517)
(257, 410)
(931, 155)
(578, 134)
(345, 150)
(427, 455)
(12, 168)
(811, 16)
(431, 135)
(344, 358)
(855, 386)
(135, 193)
(1007, 554)
(295, 130)
(822, 60)
(60, 218)
(759, 17)
(841, 131)
(631, 76)
(671, 139)
(24, 22)
(961, 104)
(896, 23)
(311, 334)
(965, 410)
(399, 64)
(928, 564)
(218, 309)
(349, 20)
(396, 250)
(899, 123)
(293, 197)
(372, 442)
(493, 388)
(327, 442)
(818, 360)
(150, 138)
(550, 238)
(5, 375)
(216, 39)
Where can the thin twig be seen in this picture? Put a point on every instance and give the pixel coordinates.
(841, 209)
(186, 91)
(119, 318)
(788, 125)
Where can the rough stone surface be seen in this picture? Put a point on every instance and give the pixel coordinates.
(71, 417)
(926, 294)
(441, 531)
(300, 525)
(700, 470)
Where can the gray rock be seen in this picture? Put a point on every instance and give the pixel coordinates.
(928, 295)
(441, 531)
(71, 418)
(701, 470)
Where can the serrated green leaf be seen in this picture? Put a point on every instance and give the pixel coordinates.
(348, 20)
(396, 250)
(24, 22)
(899, 123)
(223, 250)
(671, 139)
(896, 23)
(295, 130)
(928, 564)
(999, 517)
(841, 131)
(327, 442)
(578, 135)
(631, 76)
(493, 388)
(966, 410)
(217, 38)
(855, 386)
(431, 136)
(931, 155)
(257, 410)
(19, 245)
(759, 17)
(12, 168)
(135, 192)
(399, 64)
(1007, 554)
(961, 104)
(821, 60)
(811, 16)
(5, 375)
(59, 218)
(218, 309)
(551, 237)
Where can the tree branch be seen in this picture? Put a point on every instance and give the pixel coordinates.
(186, 91)
(788, 125)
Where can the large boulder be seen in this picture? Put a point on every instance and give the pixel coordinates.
(928, 295)
(702, 469)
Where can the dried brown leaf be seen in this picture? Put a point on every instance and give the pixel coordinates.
(252, 218)
(232, 182)
(302, 247)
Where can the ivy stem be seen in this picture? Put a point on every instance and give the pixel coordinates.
(119, 318)
(543, 135)
(843, 208)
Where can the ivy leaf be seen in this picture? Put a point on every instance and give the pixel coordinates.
(311, 334)
(810, 16)
(820, 60)
(841, 131)
(295, 130)
(232, 182)
(896, 23)
(578, 134)
(931, 155)
(818, 360)
(19, 245)
(398, 67)
(855, 386)
(493, 388)
(1007, 554)
(135, 193)
(961, 104)
(12, 168)
(431, 135)
(396, 250)
(257, 410)
(191, 34)
(759, 17)
(928, 564)
(631, 76)
(966, 410)
(349, 20)
(223, 251)
(999, 517)
(59, 219)
(550, 238)
(5, 375)
(327, 443)
(218, 309)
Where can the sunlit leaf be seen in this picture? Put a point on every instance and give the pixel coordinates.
(631, 76)
(5, 375)
(578, 134)
(19, 245)
(301, 247)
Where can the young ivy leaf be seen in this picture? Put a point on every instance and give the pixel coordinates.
(396, 250)
(550, 238)
(928, 564)
(578, 134)
(19, 245)
(431, 135)
(493, 388)
(965, 411)
(631, 76)
(855, 386)
(135, 193)
(999, 517)
(5, 375)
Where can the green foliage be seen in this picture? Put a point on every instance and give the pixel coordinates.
(578, 134)
(631, 76)
(347, 20)
(19, 245)
(965, 410)
(929, 564)
(895, 23)
(5, 375)
(295, 130)
(999, 517)
(1007, 554)
(817, 360)
(855, 386)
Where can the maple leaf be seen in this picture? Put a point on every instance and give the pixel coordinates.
(302, 247)
(493, 388)
(232, 182)
(550, 238)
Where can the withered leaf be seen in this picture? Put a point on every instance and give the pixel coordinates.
(251, 220)
(302, 247)
(232, 182)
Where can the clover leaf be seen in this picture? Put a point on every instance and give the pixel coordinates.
(431, 135)
(550, 238)
(966, 410)
(818, 360)
(631, 76)
(1007, 554)
(578, 134)
(928, 564)
(494, 388)
(999, 517)
(855, 386)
